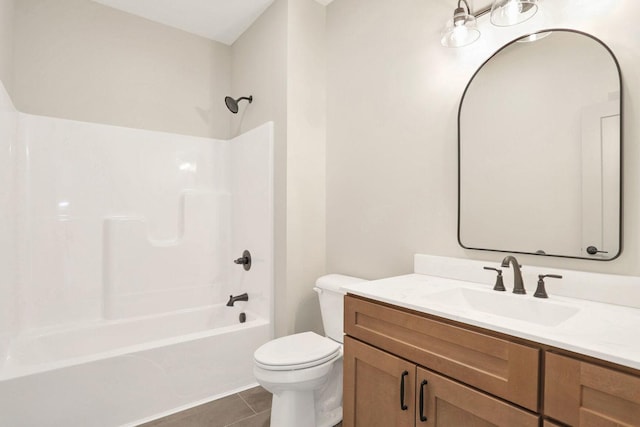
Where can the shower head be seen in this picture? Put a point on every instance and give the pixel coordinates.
(232, 104)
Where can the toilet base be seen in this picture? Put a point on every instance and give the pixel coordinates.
(297, 409)
(293, 409)
(329, 419)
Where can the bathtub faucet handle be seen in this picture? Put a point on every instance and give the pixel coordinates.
(244, 260)
(232, 299)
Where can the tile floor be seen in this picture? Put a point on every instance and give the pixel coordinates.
(250, 408)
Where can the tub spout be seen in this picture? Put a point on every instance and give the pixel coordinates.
(232, 299)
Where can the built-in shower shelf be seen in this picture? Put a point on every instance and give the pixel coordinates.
(143, 275)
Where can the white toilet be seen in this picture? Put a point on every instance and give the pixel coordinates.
(304, 371)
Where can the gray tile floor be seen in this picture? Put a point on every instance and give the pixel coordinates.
(250, 408)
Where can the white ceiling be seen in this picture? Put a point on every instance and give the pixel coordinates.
(219, 20)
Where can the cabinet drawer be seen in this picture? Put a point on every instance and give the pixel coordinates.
(448, 403)
(500, 367)
(583, 394)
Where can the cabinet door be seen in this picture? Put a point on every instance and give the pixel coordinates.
(548, 423)
(374, 384)
(583, 394)
(447, 403)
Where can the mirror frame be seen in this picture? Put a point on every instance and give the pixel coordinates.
(621, 177)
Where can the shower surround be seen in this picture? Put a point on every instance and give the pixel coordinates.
(117, 250)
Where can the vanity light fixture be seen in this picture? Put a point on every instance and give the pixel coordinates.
(505, 13)
(462, 29)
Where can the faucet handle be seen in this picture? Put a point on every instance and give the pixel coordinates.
(499, 286)
(540, 290)
(244, 260)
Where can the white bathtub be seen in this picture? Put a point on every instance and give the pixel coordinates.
(123, 372)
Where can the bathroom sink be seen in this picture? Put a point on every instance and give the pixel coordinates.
(519, 307)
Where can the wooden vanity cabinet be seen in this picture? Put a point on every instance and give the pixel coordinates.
(381, 389)
(498, 366)
(583, 394)
(466, 378)
(390, 352)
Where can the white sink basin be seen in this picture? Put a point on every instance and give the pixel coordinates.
(525, 308)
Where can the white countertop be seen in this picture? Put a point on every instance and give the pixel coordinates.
(604, 331)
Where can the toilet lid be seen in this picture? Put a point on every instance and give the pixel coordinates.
(297, 351)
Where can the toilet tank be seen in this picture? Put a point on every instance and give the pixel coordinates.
(332, 303)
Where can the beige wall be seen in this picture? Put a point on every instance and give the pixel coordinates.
(6, 43)
(393, 95)
(259, 68)
(280, 61)
(306, 161)
(77, 59)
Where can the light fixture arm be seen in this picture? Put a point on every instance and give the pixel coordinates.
(466, 4)
(460, 15)
(476, 14)
(482, 12)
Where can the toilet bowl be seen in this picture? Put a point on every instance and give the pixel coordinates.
(296, 373)
(304, 371)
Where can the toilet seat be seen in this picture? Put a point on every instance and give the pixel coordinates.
(298, 351)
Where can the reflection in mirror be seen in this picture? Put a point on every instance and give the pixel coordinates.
(540, 149)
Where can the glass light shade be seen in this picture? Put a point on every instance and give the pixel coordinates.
(460, 31)
(505, 13)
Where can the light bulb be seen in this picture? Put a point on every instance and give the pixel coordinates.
(460, 34)
(511, 11)
(505, 13)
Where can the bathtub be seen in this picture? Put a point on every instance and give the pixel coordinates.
(124, 372)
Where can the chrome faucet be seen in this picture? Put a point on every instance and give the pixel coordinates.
(232, 299)
(518, 285)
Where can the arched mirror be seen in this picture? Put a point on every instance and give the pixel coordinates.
(539, 132)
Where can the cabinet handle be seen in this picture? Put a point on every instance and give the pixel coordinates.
(423, 418)
(402, 405)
